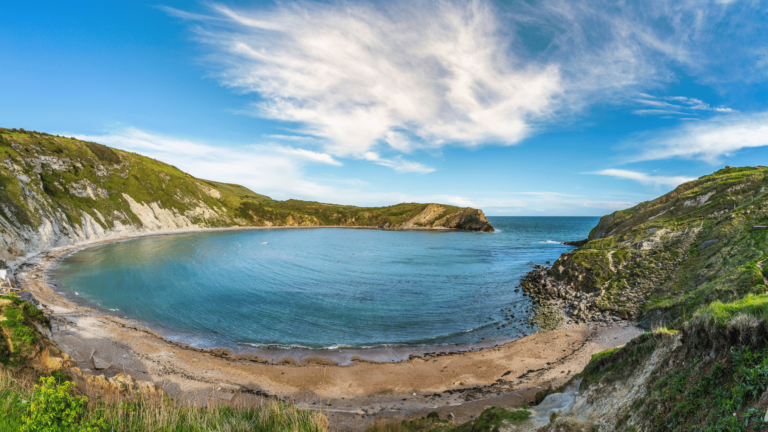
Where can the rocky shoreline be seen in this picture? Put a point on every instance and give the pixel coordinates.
(553, 295)
(608, 284)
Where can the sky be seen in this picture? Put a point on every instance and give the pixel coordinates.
(520, 108)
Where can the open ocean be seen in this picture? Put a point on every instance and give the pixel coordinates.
(323, 288)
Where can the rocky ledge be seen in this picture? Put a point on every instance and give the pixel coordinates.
(578, 307)
(438, 216)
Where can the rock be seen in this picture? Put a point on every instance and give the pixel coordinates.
(100, 364)
(223, 396)
(228, 388)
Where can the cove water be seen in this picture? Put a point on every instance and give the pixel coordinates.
(326, 287)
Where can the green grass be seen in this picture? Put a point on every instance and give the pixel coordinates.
(752, 305)
(677, 275)
(18, 336)
(20, 343)
(168, 416)
(718, 397)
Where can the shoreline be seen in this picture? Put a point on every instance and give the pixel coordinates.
(350, 393)
(339, 355)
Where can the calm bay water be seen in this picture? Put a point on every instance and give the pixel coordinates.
(321, 288)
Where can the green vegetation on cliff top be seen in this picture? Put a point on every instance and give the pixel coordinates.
(80, 185)
(664, 259)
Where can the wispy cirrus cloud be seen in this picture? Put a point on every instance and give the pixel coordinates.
(398, 164)
(548, 202)
(646, 179)
(409, 75)
(352, 74)
(708, 140)
(676, 106)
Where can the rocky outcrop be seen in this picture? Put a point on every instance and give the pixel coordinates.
(426, 218)
(576, 305)
(467, 219)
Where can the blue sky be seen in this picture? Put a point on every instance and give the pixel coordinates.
(515, 107)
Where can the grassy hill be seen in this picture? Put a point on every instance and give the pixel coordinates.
(662, 260)
(57, 190)
(690, 266)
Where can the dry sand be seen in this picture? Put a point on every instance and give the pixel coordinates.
(351, 395)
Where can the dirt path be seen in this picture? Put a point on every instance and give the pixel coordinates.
(610, 261)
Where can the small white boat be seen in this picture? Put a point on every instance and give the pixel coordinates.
(262, 242)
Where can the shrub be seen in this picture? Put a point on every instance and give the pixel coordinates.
(54, 408)
(104, 153)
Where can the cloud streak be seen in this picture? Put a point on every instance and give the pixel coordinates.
(644, 178)
(676, 106)
(398, 164)
(709, 140)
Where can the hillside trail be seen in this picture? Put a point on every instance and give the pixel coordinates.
(610, 262)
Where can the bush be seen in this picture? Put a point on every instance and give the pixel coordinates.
(104, 153)
(54, 408)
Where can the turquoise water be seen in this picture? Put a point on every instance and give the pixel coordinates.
(321, 288)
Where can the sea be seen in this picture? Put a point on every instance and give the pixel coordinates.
(279, 291)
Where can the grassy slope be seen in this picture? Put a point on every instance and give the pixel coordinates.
(19, 338)
(664, 255)
(21, 343)
(709, 283)
(69, 164)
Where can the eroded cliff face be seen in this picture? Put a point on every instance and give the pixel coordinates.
(710, 376)
(57, 191)
(438, 216)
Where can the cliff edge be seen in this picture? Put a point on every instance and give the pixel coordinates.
(57, 191)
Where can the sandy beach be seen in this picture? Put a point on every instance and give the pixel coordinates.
(462, 383)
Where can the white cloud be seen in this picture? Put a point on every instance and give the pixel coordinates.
(398, 164)
(355, 74)
(548, 202)
(644, 178)
(676, 106)
(708, 140)
(297, 153)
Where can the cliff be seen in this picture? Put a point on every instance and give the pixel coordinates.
(662, 260)
(56, 191)
(690, 267)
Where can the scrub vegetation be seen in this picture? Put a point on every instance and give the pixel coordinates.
(55, 405)
(19, 338)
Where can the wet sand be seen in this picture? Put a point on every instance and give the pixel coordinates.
(463, 383)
